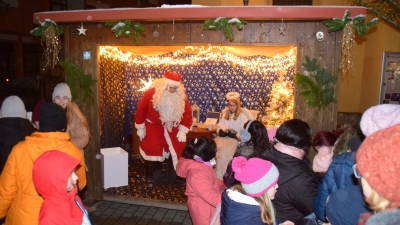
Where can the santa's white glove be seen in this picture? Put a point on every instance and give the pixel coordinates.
(181, 136)
(141, 133)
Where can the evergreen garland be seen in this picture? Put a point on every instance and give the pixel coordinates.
(126, 28)
(360, 27)
(317, 85)
(225, 24)
(79, 82)
(43, 26)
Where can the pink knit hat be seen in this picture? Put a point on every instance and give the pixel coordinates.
(379, 117)
(256, 175)
(378, 162)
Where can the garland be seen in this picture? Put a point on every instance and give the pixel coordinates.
(126, 28)
(351, 27)
(49, 31)
(317, 85)
(225, 25)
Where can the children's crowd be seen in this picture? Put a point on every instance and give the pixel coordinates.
(270, 179)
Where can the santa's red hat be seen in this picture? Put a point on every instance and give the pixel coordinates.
(173, 79)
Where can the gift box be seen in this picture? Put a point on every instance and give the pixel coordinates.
(114, 166)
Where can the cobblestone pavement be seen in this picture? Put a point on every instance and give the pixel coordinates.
(110, 213)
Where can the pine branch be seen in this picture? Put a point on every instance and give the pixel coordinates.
(79, 82)
(360, 27)
(127, 28)
(225, 25)
(317, 85)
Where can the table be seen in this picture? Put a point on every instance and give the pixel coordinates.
(198, 132)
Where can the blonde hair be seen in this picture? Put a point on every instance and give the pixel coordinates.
(238, 109)
(267, 209)
(375, 201)
(73, 112)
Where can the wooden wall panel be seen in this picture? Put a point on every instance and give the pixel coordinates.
(300, 34)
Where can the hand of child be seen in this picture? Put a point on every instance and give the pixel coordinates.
(287, 222)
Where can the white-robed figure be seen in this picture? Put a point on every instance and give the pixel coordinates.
(233, 119)
(163, 118)
(234, 116)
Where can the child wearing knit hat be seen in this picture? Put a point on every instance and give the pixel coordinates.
(380, 172)
(250, 201)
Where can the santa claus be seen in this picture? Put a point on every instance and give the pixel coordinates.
(163, 118)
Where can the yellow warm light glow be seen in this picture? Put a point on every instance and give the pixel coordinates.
(281, 105)
(260, 64)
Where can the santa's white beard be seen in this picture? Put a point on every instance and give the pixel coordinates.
(171, 107)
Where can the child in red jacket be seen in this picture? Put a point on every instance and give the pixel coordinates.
(55, 180)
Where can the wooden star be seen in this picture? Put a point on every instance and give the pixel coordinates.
(281, 30)
(82, 30)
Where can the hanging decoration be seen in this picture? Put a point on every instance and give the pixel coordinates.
(82, 30)
(351, 27)
(50, 32)
(126, 28)
(281, 104)
(281, 29)
(225, 24)
(317, 85)
(79, 82)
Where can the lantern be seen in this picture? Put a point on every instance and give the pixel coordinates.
(195, 114)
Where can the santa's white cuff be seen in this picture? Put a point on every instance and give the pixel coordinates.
(140, 126)
(183, 129)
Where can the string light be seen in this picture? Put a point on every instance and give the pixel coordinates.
(281, 104)
(261, 64)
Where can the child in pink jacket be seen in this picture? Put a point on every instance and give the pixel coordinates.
(202, 186)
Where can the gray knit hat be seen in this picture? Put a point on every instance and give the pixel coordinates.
(13, 106)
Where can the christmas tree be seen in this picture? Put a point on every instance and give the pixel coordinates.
(280, 106)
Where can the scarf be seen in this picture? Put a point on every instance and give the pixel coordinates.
(290, 150)
(210, 163)
(323, 159)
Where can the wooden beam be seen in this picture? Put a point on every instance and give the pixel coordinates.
(202, 13)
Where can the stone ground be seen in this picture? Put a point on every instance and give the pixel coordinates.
(111, 212)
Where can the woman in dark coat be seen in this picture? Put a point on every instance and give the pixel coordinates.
(298, 184)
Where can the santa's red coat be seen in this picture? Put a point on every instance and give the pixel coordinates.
(158, 142)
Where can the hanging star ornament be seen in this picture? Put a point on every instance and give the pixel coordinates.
(82, 30)
(281, 29)
(147, 85)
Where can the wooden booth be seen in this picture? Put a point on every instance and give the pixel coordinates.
(170, 28)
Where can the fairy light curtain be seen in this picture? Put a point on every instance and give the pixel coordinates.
(207, 76)
(208, 82)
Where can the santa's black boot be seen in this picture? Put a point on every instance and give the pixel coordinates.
(171, 174)
(157, 170)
